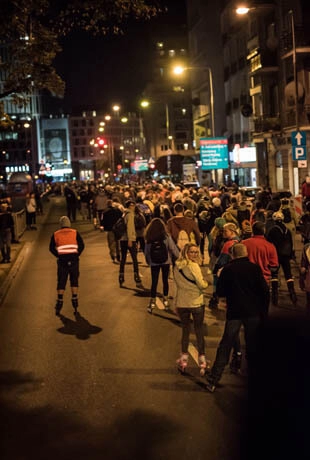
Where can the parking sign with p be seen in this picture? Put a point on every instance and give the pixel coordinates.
(299, 145)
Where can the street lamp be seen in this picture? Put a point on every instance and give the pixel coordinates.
(145, 104)
(241, 10)
(179, 70)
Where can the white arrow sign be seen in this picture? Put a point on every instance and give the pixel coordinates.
(299, 137)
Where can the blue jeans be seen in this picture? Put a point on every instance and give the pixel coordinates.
(231, 333)
(198, 314)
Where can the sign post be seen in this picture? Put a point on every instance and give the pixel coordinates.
(299, 145)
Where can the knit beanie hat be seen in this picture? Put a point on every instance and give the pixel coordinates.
(219, 222)
(64, 221)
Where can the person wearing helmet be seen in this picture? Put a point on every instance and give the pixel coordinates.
(66, 245)
(281, 237)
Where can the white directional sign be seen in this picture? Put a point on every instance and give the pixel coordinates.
(299, 145)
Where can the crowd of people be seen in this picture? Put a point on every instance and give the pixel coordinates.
(242, 243)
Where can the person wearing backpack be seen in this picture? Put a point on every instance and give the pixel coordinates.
(109, 217)
(128, 242)
(216, 241)
(304, 278)
(304, 225)
(159, 248)
(180, 227)
(290, 219)
(140, 225)
(281, 237)
(258, 214)
(243, 217)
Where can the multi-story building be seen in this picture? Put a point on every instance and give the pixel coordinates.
(105, 145)
(265, 60)
(168, 119)
(18, 144)
(272, 39)
(206, 75)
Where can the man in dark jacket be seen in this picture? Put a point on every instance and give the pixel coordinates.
(72, 202)
(67, 245)
(281, 237)
(247, 296)
(109, 217)
(6, 225)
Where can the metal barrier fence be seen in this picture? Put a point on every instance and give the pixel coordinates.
(19, 222)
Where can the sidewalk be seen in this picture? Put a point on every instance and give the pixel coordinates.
(7, 271)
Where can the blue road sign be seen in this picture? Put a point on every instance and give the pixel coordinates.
(299, 145)
(299, 138)
(213, 153)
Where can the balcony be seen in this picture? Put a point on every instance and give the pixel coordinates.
(265, 124)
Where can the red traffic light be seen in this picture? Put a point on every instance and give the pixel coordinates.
(100, 141)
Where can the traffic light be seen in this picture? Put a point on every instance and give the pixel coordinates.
(100, 141)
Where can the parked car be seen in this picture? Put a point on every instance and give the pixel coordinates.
(189, 184)
(249, 195)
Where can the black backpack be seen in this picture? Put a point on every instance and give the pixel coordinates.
(287, 215)
(119, 228)
(140, 221)
(159, 252)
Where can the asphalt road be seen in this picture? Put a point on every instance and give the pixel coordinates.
(104, 385)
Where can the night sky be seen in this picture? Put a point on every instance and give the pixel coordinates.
(101, 71)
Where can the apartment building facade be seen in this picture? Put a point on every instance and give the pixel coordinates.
(265, 61)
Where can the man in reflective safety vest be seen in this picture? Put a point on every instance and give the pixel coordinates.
(66, 244)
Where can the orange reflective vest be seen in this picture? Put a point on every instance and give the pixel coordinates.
(66, 241)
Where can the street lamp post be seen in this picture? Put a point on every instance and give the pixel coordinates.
(294, 67)
(179, 70)
(145, 104)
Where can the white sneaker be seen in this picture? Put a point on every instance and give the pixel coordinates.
(182, 362)
(166, 303)
(151, 305)
(204, 364)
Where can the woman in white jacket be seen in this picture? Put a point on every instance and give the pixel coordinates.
(190, 303)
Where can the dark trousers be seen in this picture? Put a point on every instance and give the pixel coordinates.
(185, 315)
(133, 252)
(71, 211)
(5, 243)
(155, 269)
(231, 333)
(65, 269)
(113, 245)
(285, 262)
(30, 218)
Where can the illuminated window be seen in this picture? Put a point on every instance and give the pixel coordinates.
(171, 53)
